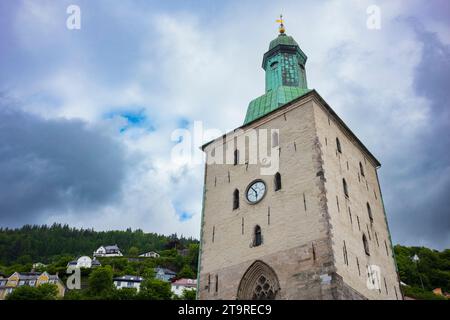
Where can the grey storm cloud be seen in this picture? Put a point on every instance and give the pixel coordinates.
(420, 204)
(415, 172)
(58, 165)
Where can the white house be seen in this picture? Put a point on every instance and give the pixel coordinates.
(128, 282)
(81, 262)
(164, 274)
(84, 262)
(108, 251)
(151, 254)
(178, 286)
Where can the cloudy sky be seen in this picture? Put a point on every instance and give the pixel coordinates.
(87, 116)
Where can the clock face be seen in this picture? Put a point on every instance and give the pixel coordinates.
(256, 191)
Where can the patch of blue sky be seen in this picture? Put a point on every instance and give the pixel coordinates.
(183, 123)
(185, 216)
(182, 214)
(134, 119)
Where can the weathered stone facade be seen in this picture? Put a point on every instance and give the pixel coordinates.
(303, 230)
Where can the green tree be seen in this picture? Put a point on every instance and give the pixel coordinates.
(25, 259)
(420, 294)
(125, 294)
(154, 289)
(101, 282)
(186, 272)
(133, 251)
(45, 291)
(149, 273)
(75, 295)
(189, 294)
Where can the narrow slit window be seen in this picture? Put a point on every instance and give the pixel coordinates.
(235, 199)
(385, 286)
(338, 145)
(369, 212)
(344, 251)
(277, 181)
(366, 245)
(209, 283)
(345, 187)
(314, 252)
(275, 139)
(359, 269)
(258, 236)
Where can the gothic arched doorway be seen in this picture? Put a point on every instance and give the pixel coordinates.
(259, 282)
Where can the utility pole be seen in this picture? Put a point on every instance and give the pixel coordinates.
(416, 259)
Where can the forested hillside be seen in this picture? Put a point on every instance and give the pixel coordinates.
(431, 271)
(46, 243)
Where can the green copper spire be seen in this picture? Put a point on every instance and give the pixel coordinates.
(284, 64)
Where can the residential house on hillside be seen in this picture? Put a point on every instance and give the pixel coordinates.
(150, 254)
(164, 274)
(84, 262)
(128, 282)
(33, 279)
(108, 251)
(178, 286)
(439, 292)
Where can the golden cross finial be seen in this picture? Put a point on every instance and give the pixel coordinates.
(281, 27)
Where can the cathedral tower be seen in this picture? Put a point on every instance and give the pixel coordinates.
(315, 227)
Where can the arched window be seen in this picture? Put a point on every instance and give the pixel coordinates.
(344, 185)
(259, 282)
(277, 181)
(236, 157)
(369, 212)
(258, 236)
(275, 140)
(235, 199)
(338, 145)
(361, 169)
(366, 244)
